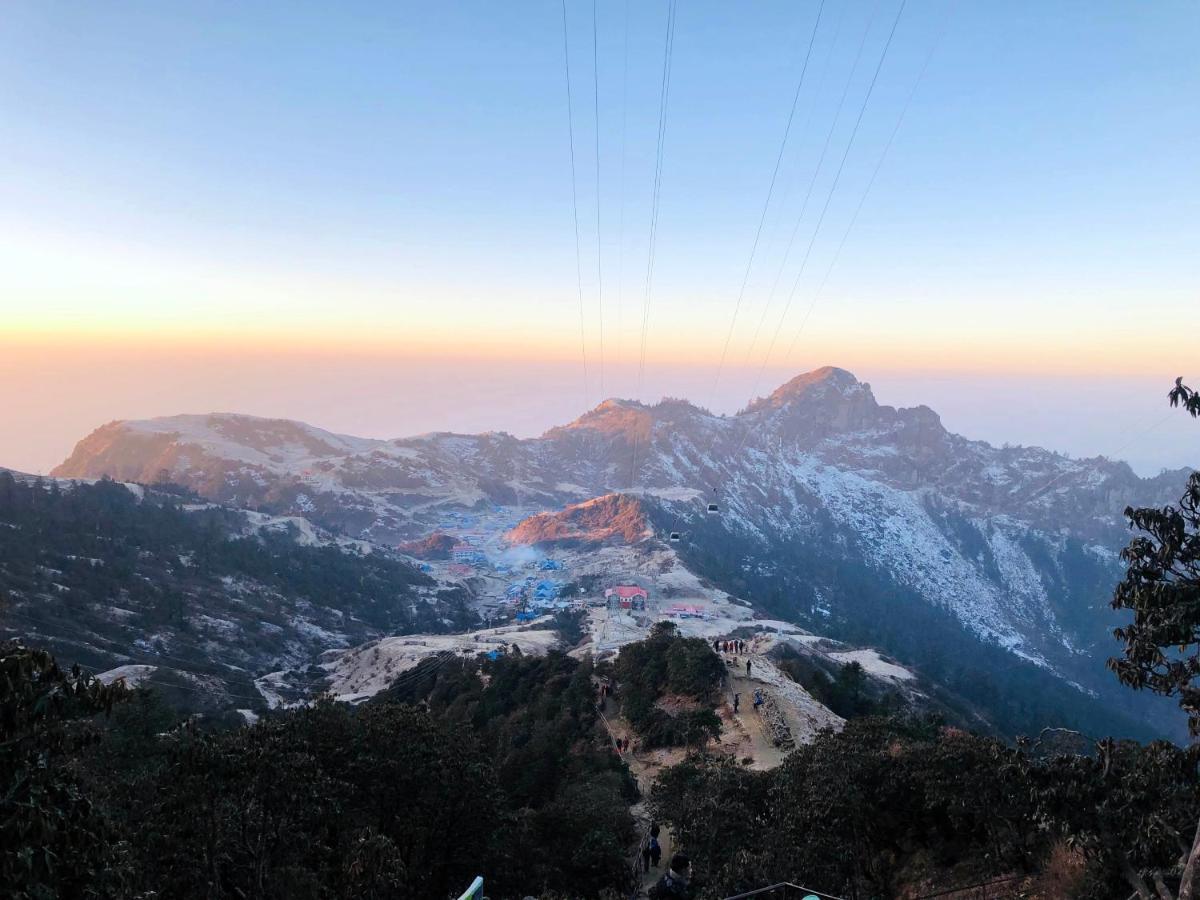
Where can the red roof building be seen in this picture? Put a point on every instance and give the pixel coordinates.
(627, 592)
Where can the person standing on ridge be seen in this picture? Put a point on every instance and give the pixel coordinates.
(747, 668)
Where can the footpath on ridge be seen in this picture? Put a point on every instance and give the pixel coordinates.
(747, 736)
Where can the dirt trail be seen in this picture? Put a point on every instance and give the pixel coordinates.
(745, 735)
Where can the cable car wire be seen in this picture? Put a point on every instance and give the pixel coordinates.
(599, 262)
(871, 182)
(837, 116)
(767, 203)
(575, 208)
(712, 507)
(858, 121)
(621, 214)
(829, 197)
(656, 195)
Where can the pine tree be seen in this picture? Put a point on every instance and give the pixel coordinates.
(1162, 589)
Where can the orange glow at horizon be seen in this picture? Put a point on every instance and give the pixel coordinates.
(1076, 353)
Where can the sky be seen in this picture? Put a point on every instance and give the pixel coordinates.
(362, 215)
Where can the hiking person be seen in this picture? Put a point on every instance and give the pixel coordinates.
(758, 700)
(674, 884)
(716, 646)
(736, 699)
(646, 856)
(747, 668)
(655, 850)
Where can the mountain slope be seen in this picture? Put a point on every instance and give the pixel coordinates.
(613, 517)
(196, 596)
(832, 506)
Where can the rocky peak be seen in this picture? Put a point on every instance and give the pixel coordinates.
(612, 418)
(613, 518)
(824, 401)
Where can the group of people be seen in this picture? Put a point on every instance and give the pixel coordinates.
(758, 695)
(675, 884)
(603, 692)
(622, 744)
(732, 646)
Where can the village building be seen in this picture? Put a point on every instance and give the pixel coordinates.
(627, 596)
(467, 554)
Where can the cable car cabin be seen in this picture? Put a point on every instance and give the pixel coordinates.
(675, 536)
(713, 509)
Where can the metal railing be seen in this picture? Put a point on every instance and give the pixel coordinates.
(785, 890)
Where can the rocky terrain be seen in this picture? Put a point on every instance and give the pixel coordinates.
(198, 598)
(846, 516)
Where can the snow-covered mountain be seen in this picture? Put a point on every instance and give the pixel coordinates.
(198, 597)
(830, 505)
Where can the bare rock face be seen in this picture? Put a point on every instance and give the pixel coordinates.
(392, 490)
(614, 518)
(1016, 542)
(436, 546)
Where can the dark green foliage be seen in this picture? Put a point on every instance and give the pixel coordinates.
(152, 581)
(1161, 588)
(888, 804)
(868, 609)
(663, 664)
(569, 625)
(1132, 808)
(53, 842)
(847, 690)
(326, 801)
(566, 794)
(513, 779)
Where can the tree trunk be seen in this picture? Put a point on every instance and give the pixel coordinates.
(1163, 890)
(1134, 878)
(1187, 884)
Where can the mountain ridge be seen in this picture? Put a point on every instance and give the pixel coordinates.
(817, 486)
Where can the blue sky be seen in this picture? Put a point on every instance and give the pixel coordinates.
(399, 172)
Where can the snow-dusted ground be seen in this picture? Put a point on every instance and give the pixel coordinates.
(896, 533)
(226, 436)
(132, 675)
(804, 713)
(365, 671)
(871, 662)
